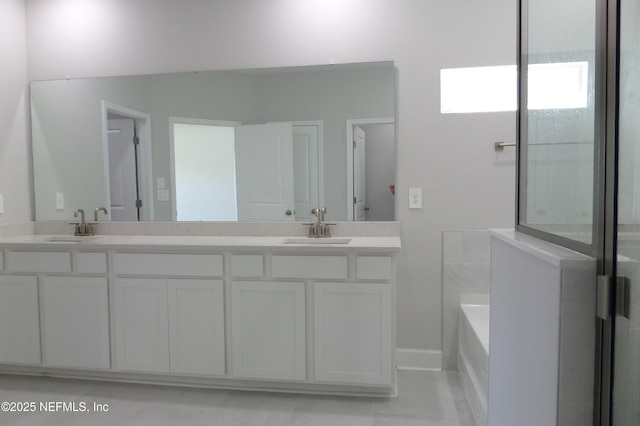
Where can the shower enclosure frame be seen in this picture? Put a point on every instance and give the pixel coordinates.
(604, 227)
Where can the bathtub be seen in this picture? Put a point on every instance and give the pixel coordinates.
(473, 356)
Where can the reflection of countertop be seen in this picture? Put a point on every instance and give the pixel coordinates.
(238, 243)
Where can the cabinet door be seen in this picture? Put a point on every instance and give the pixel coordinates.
(142, 328)
(353, 336)
(268, 330)
(76, 322)
(196, 326)
(19, 320)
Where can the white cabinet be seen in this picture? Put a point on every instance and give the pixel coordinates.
(19, 320)
(353, 334)
(76, 322)
(268, 330)
(170, 325)
(312, 319)
(142, 324)
(196, 326)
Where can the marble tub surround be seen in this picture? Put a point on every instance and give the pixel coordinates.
(465, 279)
(258, 229)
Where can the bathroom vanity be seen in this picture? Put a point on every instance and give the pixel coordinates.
(267, 312)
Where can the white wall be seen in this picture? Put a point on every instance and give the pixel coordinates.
(66, 118)
(15, 163)
(466, 185)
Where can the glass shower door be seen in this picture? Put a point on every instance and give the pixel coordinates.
(626, 376)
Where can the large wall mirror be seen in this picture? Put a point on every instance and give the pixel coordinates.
(270, 144)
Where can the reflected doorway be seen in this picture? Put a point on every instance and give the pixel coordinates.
(203, 170)
(223, 171)
(371, 169)
(127, 163)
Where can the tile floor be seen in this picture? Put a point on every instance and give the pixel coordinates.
(425, 398)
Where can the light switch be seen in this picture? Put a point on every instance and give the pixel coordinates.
(415, 198)
(160, 183)
(163, 195)
(59, 201)
(1, 204)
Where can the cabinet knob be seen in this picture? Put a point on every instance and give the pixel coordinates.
(288, 212)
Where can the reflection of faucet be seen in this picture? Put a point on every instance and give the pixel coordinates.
(82, 228)
(319, 229)
(99, 209)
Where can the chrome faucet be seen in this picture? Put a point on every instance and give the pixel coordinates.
(320, 228)
(99, 209)
(82, 228)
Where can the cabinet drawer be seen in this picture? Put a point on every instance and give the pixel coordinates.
(326, 267)
(190, 265)
(39, 261)
(91, 263)
(247, 265)
(373, 268)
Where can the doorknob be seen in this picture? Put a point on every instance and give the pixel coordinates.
(288, 212)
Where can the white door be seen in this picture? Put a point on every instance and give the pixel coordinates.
(142, 324)
(268, 330)
(196, 326)
(264, 170)
(76, 318)
(305, 170)
(353, 335)
(122, 170)
(19, 320)
(358, 174)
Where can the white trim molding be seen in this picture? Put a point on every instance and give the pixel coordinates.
(418, 359)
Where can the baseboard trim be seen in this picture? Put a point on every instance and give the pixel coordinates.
(418, 359)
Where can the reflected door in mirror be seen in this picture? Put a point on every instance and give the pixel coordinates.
(123, 182)
(264, 170)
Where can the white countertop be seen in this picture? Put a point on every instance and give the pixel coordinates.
(544, 250)
(239, 243)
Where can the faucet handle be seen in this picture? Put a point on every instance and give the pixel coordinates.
(319, 212)
(99, 209)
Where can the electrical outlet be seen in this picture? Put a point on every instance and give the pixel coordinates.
(163, 195)
(59, 201)
(415, 198)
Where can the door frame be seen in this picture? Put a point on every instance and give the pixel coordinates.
(349, 146)
(145, 162)
(172, 153)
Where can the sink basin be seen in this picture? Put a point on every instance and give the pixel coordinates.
(315, 241)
